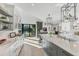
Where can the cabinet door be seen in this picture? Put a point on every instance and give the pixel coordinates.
(64, 53)
(61, 52)
(53, 50)
(50, 49)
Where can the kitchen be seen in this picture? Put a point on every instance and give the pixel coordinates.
(54, 29)
(64, 39)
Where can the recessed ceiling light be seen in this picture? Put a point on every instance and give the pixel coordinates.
(33, 4)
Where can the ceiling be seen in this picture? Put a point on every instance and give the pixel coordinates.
(41, 10)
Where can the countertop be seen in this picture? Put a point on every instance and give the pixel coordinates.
(69, 46)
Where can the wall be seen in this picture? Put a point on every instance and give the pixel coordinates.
(30, 20)
(17, 16)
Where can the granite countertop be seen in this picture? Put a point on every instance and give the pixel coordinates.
(69, 46)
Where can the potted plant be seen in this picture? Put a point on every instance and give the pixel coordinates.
(50, 33)
(29, 30)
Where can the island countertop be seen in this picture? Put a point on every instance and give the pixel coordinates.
(69, 46)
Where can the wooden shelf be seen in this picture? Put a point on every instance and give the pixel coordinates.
(7, 22)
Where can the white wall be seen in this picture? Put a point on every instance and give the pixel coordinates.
(18, 16)
(30, 20)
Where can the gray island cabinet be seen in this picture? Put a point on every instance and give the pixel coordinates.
(52, 49)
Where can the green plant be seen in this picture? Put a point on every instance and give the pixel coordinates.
(50, 33)
(33, 27)
(29, 30)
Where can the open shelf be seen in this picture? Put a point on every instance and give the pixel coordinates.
(4, 21)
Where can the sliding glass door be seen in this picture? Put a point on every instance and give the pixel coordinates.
(29, 30)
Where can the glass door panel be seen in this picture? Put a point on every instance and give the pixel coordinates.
(29, 30)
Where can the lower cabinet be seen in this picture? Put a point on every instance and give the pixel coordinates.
(53, 50)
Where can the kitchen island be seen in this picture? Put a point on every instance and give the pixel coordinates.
(56, 45)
